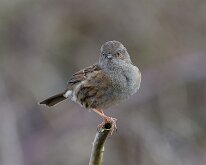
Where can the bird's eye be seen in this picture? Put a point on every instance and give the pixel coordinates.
(120, 55)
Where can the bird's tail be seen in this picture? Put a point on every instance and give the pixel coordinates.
(53, 100)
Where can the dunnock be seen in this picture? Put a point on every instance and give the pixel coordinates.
(104, 84)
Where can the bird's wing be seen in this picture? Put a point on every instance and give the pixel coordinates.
(83, 74)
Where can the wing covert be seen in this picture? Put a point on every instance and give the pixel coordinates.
(83, 74)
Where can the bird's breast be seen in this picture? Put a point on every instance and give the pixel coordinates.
(126, 81)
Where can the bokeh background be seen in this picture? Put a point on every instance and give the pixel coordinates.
(42, 42)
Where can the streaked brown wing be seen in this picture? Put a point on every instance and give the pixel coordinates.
(83, 74)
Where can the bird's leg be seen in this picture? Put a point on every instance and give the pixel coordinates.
(106, 119)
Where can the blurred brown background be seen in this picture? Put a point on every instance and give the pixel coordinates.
(42, 42)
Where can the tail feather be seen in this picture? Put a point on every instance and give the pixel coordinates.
(53, 100)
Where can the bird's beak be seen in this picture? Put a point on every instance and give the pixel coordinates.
(109, 56)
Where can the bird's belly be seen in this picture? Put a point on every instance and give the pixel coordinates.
(106, 102)
(100, 100)
(105, 96)
(109, 98)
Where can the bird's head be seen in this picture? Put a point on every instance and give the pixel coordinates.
(113, 51)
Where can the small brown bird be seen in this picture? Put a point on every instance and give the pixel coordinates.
(104, 84)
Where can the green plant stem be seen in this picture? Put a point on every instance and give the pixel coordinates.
(98, 145)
